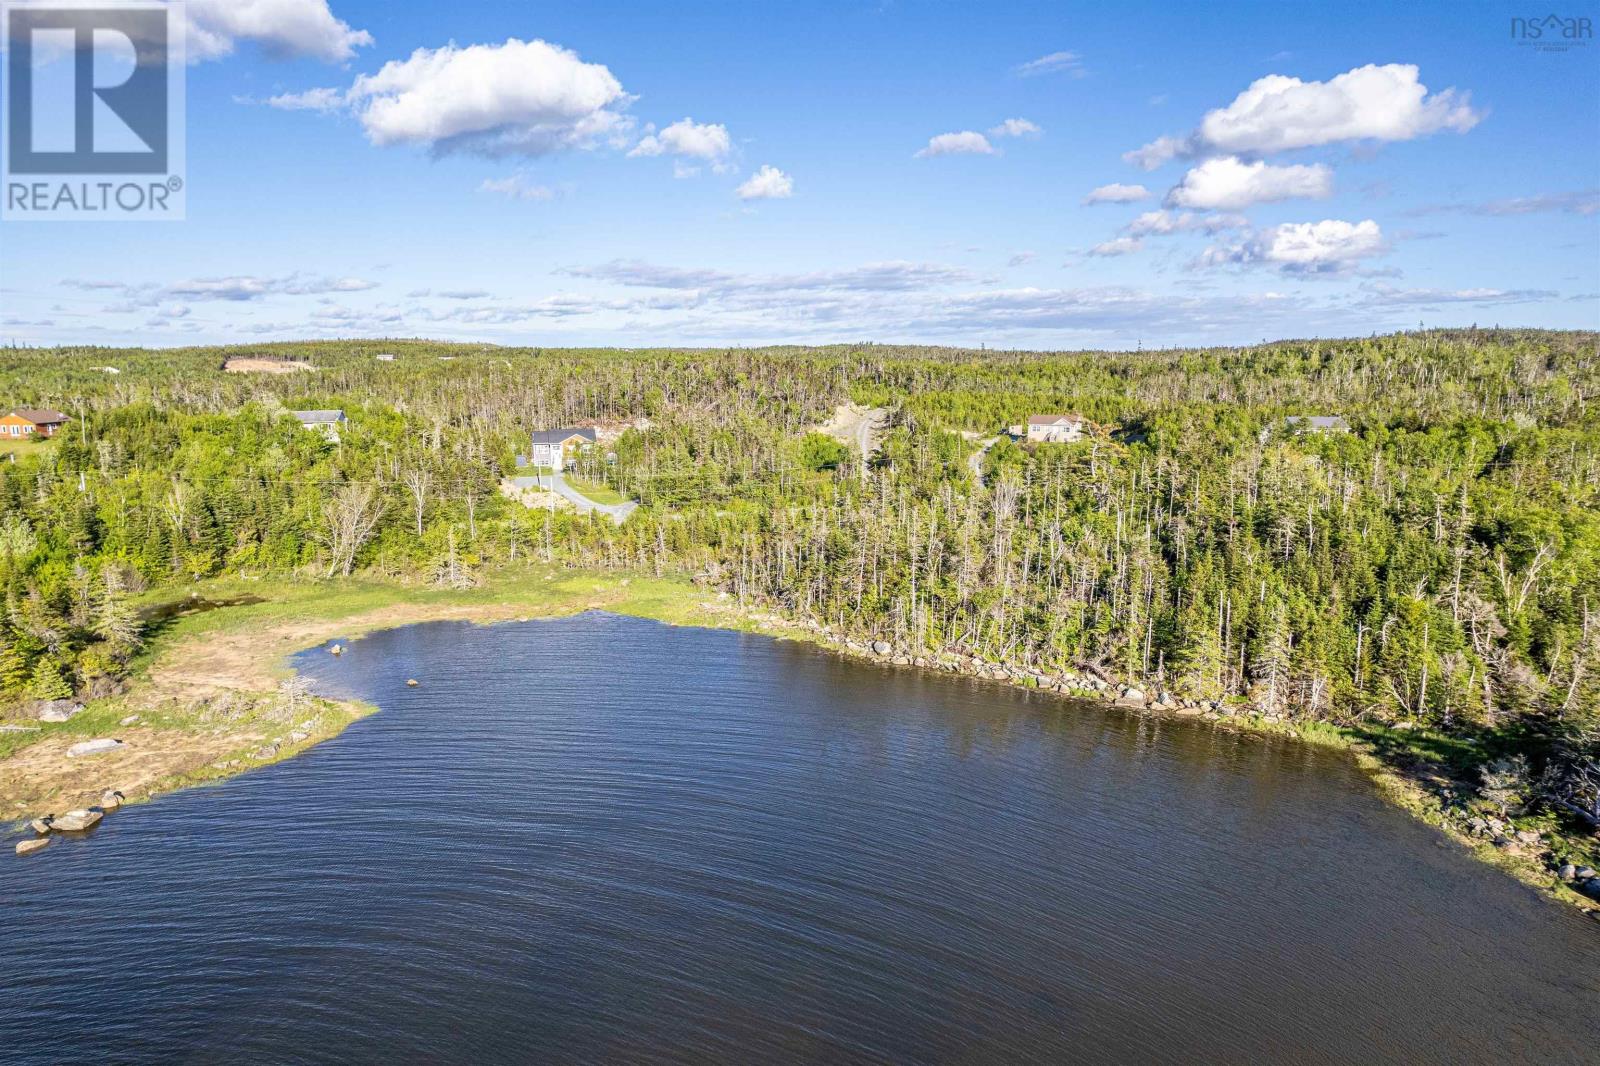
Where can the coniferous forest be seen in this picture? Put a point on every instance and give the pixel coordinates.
(1437, 565)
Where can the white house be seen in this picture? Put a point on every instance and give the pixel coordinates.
(556, 448)
(1056, 429)
(325, 422)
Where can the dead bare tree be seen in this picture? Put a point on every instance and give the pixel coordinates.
(352, 515)
(417, 482)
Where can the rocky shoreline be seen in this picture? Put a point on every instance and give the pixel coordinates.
(1538, 857)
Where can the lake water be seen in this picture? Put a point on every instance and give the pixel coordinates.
(605, 840)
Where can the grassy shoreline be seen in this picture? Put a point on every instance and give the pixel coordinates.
(206, 699)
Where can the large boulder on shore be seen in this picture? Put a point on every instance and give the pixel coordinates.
(58, 710)
(77, 821)
(28, 847)
(881, 647)
(41, 825)
(110, 800)
(94, 747)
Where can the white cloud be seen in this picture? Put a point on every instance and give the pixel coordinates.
(1277, 113)
(1119, 246)
(1022, 259)
(1389, 296)
(687, 138)
(517, 187)
(1015, 127)
(310, 100)
(1163, 223)
(1577, 202)
(1117, 193)
(927, 301)
(966, 142)
(233, 288)
(1157, 152)
(517, 98)
(1387, 103)
(251, 287)
(281, 27)
(1228, 184)
(892, 276)
(768, 183)
(1055, 63)
(1326, 247)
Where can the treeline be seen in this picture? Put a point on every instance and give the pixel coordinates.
(1438, 564)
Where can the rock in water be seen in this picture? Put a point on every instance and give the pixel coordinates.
(412, 682)
(94, 747)
(110, 800)
(40, 825)
(28, 847)
(77, 821)
(337, 649)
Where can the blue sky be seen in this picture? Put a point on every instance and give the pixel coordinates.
(746, 174)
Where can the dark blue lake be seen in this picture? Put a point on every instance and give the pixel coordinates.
(605, 840)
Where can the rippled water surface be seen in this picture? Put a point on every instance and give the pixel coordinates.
(604, 840)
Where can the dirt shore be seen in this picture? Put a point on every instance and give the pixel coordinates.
(208, 704)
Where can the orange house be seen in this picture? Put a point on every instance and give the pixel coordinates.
(27, 423)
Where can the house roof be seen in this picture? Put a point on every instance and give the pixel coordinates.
(316, 417)
(40, 417)
(1052, 420)
(561, 436)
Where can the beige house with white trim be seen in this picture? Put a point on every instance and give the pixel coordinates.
(1057, 429)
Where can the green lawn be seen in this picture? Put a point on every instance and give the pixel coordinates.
(596, 491)
(22, 447)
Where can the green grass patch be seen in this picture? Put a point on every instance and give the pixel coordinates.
(597, 491)
(22, 447)
(532, 592)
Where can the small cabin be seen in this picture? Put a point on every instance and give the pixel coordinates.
(327, 423)
(1056, 429)
(27, 422)
(559, 448)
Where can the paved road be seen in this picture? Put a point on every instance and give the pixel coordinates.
(556, 483)
(617, 512)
